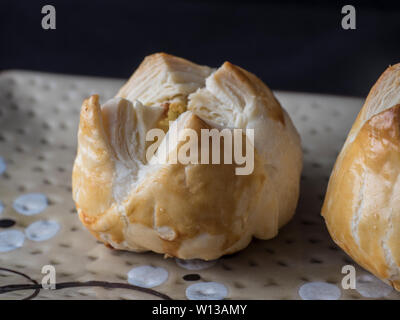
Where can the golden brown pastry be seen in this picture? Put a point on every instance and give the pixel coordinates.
(131, 202)
(362, 204)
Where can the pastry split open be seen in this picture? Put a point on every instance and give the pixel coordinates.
(184, 210)
(362, 204)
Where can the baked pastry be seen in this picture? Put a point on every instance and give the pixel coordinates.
(131, 202)
(362, 203)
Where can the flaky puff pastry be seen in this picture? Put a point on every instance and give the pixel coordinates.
(362, 204)
(188, 211)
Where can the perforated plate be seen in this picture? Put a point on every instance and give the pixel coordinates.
(39, 116)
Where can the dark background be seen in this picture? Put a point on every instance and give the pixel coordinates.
(291, 45)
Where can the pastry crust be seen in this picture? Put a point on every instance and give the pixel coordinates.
(362, 204)
(184, 210)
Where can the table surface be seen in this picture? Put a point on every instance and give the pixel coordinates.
(39, 115)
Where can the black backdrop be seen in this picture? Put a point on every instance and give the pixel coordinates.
(291, 45)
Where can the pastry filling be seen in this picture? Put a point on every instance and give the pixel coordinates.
(172, 110)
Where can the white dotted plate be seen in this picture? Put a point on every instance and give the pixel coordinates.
(39, 115)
